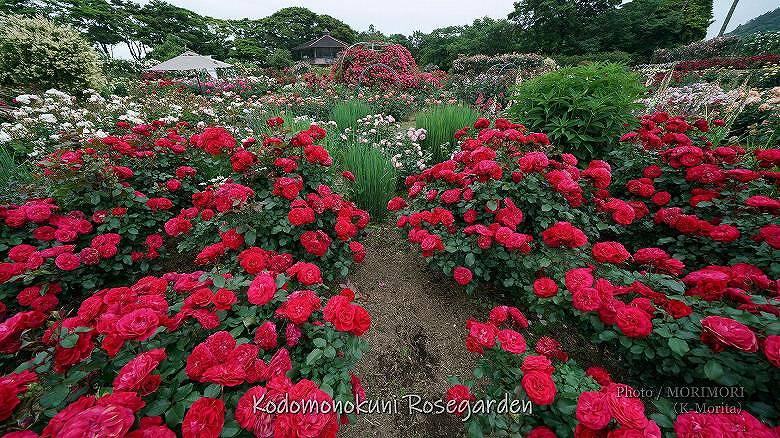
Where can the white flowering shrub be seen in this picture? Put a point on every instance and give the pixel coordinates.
(37, 53)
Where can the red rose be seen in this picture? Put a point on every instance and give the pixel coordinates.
(539, 387)
(137, 375)
(204, 419)
(323, 423)
(600, 375)
(260, 423)
(139, 324)
(67, 261)
(593, 410)
(678, 309)
(729, 332)
(772, 349)
(537, 363)
(586, 299)
(306, 273)
(511, 341)
(345, 316)
(266, 336)
(545, 287)
(461, 396)
(480, 335)
(696, 425)
(254, 260)
(462, 275)
(299, 306)
(628, 411)
(541, 432)
(301, 216)
(262, 289)
(100, 420)
(633, 322)
(396, 203)
(358, 251)
(316, 242)
(564, 234)
(610, 252)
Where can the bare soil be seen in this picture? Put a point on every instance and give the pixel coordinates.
(416, 338)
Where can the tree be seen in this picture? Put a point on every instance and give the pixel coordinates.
(290, 27)
(560, 26)
(159, 20)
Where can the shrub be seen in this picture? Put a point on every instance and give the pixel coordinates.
(280, 58)
(705, 206)
(37, 53)
(528, 224)
(583, 109)
(552, 395)
(546, 394)
(441, 123)
(249, 315)
(382, 65)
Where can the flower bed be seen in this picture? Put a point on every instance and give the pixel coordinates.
(91, 338)
(502, 214)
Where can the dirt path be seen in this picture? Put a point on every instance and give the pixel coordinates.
(416, 338)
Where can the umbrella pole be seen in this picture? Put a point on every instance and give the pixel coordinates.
(197, 76)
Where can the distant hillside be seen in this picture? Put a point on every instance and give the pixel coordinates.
(763, 23)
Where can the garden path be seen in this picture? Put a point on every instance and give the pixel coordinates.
(416, 337)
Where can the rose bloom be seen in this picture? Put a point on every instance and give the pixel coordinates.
(511, 341)
(460, 394)
(633, 322)
(204, 419)
(731, 333)
(545, 287)
(593, 410)
(539, 387)
(610, 252)
(628, 411)
(772, 349)
(462, 275)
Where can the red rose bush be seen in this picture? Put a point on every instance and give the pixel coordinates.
(112, 352)
(503, 213)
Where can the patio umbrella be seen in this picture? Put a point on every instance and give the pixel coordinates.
(190, 60)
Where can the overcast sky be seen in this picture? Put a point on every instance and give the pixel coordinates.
(406, 16)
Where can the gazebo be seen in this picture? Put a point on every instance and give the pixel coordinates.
(322, 50)
(191, 61)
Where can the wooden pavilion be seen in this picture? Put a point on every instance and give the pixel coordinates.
(322, 50)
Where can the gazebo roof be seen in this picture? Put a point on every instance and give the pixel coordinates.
(324, 41)
(189, 60)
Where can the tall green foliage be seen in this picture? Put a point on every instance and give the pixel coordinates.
(375, 178)
(347, 113)
(582, 109)
(441, 123)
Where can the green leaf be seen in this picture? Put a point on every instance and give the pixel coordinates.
(713, 370)
(313, 356)
(55, 396)
(212, 391)
(678, 346)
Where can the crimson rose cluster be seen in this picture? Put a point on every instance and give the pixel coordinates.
(87, 348)
(551, 233)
